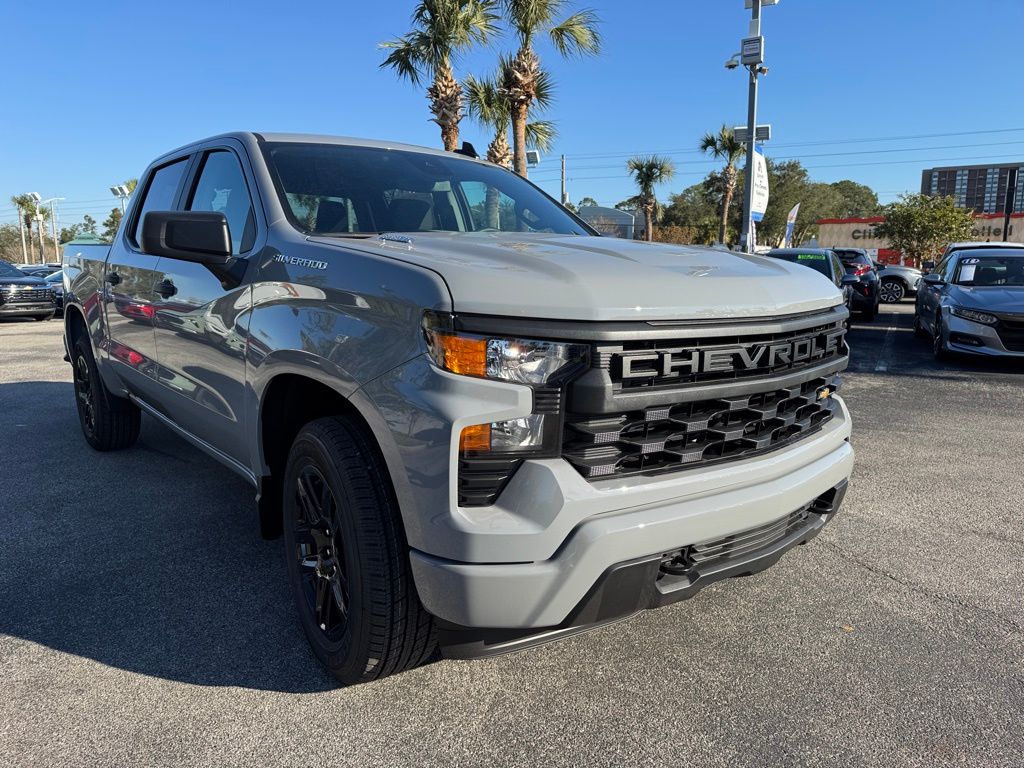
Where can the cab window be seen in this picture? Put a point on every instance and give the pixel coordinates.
(221, 188)
(161, 191)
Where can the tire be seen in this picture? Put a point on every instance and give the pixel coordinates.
(919, 329)
(109, 422)
(892, 291)
(939, 349)
(868, 315)
(347, 558)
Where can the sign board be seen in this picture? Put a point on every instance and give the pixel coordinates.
(759, 203)
(749, 4)
(752, 51)
(761, 133)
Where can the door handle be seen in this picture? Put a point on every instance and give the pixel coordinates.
(166, 289)
(113, 278)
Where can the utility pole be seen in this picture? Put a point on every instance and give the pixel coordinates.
(565, 197)
(41, 227)
(1008, 204)
(53, 231)
(21, 228)
(748, 186)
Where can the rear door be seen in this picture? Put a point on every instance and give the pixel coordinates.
(129, 280)
(201, 323)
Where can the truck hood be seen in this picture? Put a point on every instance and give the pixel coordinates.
(569, 277)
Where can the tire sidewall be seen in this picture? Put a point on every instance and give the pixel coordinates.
(82, 350)
(346, 656)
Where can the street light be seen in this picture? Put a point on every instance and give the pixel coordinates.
(121, 191)
(751, 56)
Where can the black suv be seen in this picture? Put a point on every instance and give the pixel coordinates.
(866, 293)
(22, 295)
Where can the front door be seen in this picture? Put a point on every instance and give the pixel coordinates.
(130, 277)
(201, 324)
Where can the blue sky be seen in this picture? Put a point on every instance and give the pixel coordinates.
(95, 90)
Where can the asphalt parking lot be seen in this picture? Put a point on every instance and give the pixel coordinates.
(143, 622)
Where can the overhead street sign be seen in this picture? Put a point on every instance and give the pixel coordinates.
(762, 133)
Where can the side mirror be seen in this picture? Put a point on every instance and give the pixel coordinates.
(849, 280)
(197, 236)
(933, 279)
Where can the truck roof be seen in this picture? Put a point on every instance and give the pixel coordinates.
(312, 138)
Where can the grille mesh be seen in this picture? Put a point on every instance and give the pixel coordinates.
(1011, 332)
(25, 295)
(673, 437)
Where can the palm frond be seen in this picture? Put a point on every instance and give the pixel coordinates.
(577, 35)
(527, 17)
(649, 171)
(540, 134)
(485, 103)
(442, 29)
(405, 58)
(543, 89)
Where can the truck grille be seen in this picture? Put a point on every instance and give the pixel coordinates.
(696, 433)
(1011, 331)
(25, 294)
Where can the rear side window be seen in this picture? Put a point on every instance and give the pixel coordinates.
(160, 193)
(221, 187)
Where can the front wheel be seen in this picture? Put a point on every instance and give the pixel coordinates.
(892, 291)
(939, 345)
(109, 422)
(348, 561)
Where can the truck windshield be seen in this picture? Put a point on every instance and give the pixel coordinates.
(1002, 271)
(334, 189)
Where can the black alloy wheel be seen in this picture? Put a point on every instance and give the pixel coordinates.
(85, 394)
(319, 553)
(939, 348)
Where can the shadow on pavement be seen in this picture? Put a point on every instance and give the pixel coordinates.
(147, 560)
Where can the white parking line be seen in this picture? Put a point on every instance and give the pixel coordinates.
(883, 362)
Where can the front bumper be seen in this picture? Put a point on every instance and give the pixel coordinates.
(591, 527)
(629, 587)
(26, 309)
(967, 337)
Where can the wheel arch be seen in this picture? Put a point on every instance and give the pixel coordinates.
(289, 401)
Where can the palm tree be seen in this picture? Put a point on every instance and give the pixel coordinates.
(647, 172)
(724, 145)
(27, 205)
(488, 105)
(442, 29)
(576, 34)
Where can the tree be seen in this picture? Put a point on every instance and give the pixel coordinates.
(695, 209)
(724, 146)
(575, 35)
(488, 105)
(920, 225)
(89, 223)
(587, 202)
(110, 224)
(647, 172)
(442, 30)
(27, 205)
(855, 199)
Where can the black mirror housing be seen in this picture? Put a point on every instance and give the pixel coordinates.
(933, 279)
(849, 280)
(197, 236)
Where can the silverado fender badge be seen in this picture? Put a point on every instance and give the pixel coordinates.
(297, 262)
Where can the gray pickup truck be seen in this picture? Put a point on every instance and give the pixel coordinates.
(476, 424)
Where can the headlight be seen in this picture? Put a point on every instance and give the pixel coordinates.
(975, 316)
(541, 365)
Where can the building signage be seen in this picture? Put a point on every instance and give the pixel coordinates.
(759, 204)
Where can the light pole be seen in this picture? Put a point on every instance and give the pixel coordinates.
(37, 199)
(121, 191)
(752, 57)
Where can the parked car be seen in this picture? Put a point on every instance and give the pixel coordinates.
(475, 428)
(56, 283)
(974, 303)
(896, 282)
(39, 270)
(23, 295)
(866, 293)
(824, 261)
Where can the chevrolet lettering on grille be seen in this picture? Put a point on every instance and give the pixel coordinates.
(741, 357)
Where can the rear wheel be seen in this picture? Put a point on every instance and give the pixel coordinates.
(892, 291)
(109, 423)
(919, 329)
(348, 562)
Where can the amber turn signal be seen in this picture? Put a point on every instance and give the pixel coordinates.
(475, 438)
